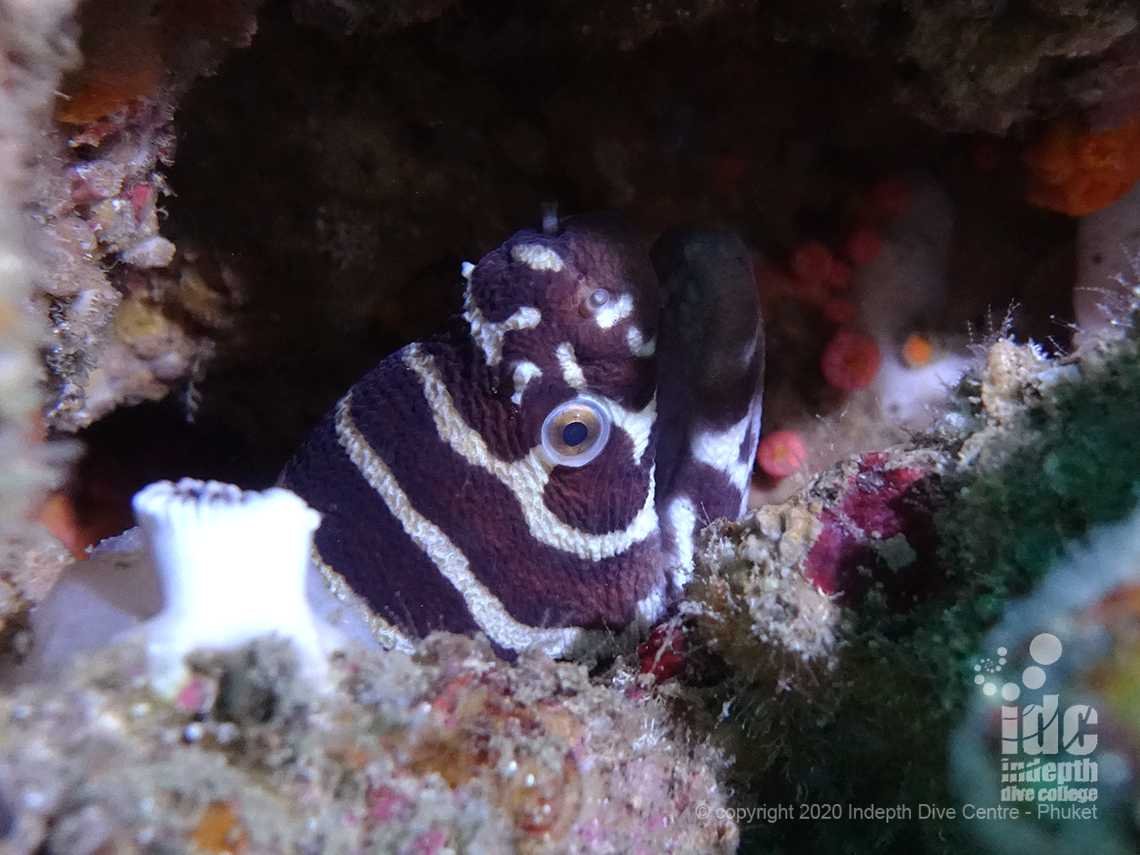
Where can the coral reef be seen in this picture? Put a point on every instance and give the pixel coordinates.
(131, 316)
(327, 184)
(985, 66)
(33, 53)
(847, 616)
(138, 311)
(322, 193)
(32, 56)
(826, 643)
(447, 750)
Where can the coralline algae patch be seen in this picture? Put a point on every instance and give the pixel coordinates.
(879, 529)
(450, 750)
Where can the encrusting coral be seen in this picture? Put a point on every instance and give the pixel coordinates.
(448, 750)
(30, 64)
(124, 303)
(33, 52)
(849, 616)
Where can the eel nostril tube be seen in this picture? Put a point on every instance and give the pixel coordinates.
(232, 566)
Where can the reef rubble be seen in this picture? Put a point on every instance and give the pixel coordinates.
(447, 750)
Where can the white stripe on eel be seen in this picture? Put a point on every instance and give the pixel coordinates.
(526, 478)
(568, 363)
(682, 518)
(720, 449)
(387, 634)
(524, 372)
(614, 312)
(489, 334)
(537, 257)
(637, 424)
(486, 609)
(638, 346)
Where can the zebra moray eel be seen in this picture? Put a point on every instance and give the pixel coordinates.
(539, 473)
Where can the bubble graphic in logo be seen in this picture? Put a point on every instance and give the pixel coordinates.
(1045, 648)
(1033, 677)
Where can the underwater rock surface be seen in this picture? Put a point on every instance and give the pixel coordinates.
(32, 54)
(303, 170)
(826, 644)
(449, 749)
(848, 619)
(130, 315)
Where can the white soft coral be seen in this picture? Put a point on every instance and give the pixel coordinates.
(232, 566)
(210, 567)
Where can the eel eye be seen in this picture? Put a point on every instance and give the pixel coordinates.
(598, 299)
(575, 432)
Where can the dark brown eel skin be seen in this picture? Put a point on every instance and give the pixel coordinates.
(539, 472)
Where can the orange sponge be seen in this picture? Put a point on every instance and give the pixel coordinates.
(1077, 171)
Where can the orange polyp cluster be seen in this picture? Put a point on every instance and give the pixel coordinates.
(1078, 171)
(815, 273)
(850, 361)
(917, 350)
(781, 453)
